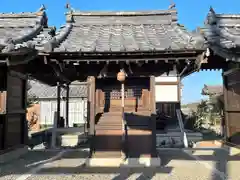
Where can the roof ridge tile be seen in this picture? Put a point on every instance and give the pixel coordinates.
(34, 21)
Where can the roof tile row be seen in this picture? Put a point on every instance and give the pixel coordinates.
(43, 91)
(118, 31)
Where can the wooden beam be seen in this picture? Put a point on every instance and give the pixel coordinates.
(125, 53)
(228, 72)
(167, 83)
(18, 74)
(123, 59)
(59, 74)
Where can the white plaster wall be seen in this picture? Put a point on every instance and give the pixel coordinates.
(166, 79)
(166, 93)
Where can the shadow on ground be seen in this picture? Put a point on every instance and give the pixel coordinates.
(72, 162)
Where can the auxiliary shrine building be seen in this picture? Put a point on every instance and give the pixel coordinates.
(150, 47)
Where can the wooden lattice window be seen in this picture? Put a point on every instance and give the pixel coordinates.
(129, 93)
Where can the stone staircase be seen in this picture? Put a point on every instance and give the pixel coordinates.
(109, 121)
(108, 133)
(108, 136)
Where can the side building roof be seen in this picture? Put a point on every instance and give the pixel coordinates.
(222, 32)
(212, 90)
(123, 32)
(27, 30)
(44, 91)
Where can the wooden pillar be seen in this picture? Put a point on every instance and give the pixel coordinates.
(92, 99)
(58, 102)
(25, 122)
(15, 109)
(152, 95)
(97, 101)
(67, 106)
(3, 101)
(225, 96)
(154, 139)
(153, 114)
(57, 117)
(179, 89)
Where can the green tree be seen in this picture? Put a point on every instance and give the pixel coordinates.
(209, 111)
(217, 105)
(201, 114)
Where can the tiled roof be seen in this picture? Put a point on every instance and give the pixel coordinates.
(124, 32)
(44, 91)
(212, 90)
(222, 32)
(24, 30)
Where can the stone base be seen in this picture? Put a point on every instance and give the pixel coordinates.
(12, 155)
(104, 162)
(120, 162)
(142, 162)
(72, 140)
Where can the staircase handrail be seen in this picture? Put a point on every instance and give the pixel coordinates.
(181, 126)
(124, 135)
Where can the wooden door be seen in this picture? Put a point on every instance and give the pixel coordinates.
(232, 104)
(135, 99)
(109, 96)
(16, 128)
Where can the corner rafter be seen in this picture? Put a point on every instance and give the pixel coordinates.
(59, 73)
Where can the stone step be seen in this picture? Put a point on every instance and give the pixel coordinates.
(112, 118)
(108, 128)
(108, 124)
(108, 120)
(107, 154)
(106, 141)
(116, 112)
(109, 132)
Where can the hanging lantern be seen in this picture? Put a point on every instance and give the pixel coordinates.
(121, 76)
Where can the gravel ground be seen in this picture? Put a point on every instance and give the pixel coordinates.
(176, 165)
(220, 159)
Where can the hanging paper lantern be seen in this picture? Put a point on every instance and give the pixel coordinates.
(121, 76)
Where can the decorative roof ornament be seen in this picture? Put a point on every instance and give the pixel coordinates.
(172, 5)
(211, 19)
(69, 14)
(211, 10)
(69, 8)
(41, 10)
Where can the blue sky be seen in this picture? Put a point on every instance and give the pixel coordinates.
(191, 13)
